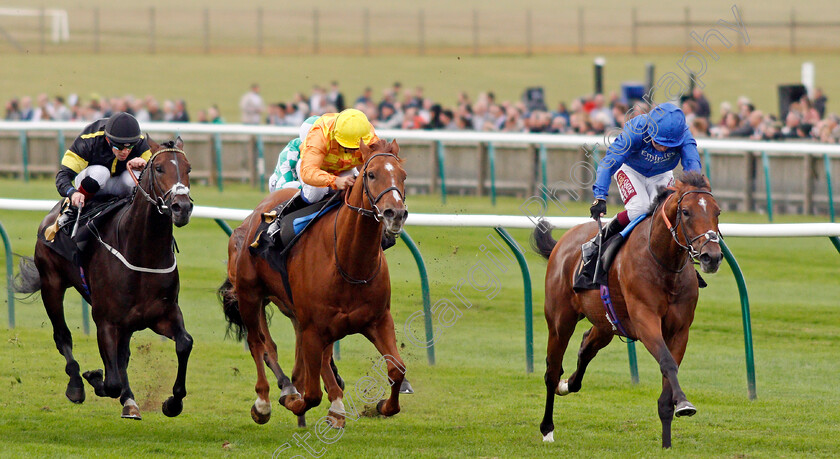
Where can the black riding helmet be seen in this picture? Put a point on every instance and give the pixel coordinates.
(122, 130)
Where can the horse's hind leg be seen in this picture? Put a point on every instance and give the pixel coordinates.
(594, 340)
(173, 328)
(560, 330)
(382, 336)
(334, 388)
(130, 408)
(52, 294)
(108, 338)
(287, 389)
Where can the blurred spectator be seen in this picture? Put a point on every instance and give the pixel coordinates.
(276, 114)
(365, 98)
(703, 110)
(810, 114)
(13, 110)
(317, 101)
(252, 106)
(389, 118)
(201, 117)
(214, 115)
(749, 128)
(819, 101)
(60, 111)
(26, 110)
(180, 114)
(335, 98)
(699, 127)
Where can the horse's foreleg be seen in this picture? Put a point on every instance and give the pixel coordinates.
(52, 294)
(250, 308)
(335, 393)
(559, 332)
(173, 328)
(594, 340)
(667, 402)
(382, 336)
(130, 408)
(308, 365)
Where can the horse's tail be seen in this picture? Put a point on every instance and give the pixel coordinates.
(28, 279)
(230, 305)
(541, 240)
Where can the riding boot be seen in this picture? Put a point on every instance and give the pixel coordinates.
(701, 283)
(67, 215)
(587, 275)
(295, 203)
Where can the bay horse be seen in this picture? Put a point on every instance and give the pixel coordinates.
(339, 285)
(130, 280)
(653, 288)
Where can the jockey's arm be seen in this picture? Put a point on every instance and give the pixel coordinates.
(613, 159)
(71, 164)
(311, 158)
(689, 156)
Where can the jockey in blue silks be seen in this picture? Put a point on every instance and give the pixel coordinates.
(642, 159)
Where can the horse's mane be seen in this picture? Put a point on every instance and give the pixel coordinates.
(168, 144)
(692, 179)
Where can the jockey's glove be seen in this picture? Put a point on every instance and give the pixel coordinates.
(598, 209)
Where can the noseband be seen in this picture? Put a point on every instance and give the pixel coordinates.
(162, 200)
(375, 213)
(711, 236)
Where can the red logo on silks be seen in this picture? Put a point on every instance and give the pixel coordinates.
(625, 186)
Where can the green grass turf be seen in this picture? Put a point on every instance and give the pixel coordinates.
(477, 401)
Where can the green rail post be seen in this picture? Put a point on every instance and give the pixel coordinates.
(9, 275)
(223, 224)
(24, 149)
(543, 170)
(836, 241)
(634, 364)
(441, 155)
(85, 317)
(828, 185)
(61, 149)
(337, 350)
(766, 162)
(217, 141)
(745, 317)
(708, 160)
(424, 287)
(529, 314)
(261, 161)
(491, 156)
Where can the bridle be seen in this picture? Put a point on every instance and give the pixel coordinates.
(161, 200)
(693, 254)
(375, 213)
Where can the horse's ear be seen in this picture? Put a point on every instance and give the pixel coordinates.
(179, 143)
(364, 149)
(154, 145)
(395, 149)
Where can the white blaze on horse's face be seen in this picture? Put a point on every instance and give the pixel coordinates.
(179, 188)
(703, 203)
(390, 168)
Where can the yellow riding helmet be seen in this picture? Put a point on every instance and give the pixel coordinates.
(351, 126)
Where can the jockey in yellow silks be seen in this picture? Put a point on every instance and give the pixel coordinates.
(330, 153)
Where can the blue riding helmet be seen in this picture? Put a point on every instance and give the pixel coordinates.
(666, 125)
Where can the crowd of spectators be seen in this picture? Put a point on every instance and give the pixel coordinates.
(400, 108)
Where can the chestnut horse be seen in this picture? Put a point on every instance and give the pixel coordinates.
(653, 287)
(130, 280)
(339, 285)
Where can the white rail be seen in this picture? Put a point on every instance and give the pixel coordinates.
(564, 140)
(491, 221)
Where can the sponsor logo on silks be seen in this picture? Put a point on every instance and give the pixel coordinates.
(654, 157)
(625, 186)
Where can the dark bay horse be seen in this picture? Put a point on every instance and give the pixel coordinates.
(132, 281)
(339, 286)
(653, 287)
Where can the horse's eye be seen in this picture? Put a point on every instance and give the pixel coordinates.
(371, 175)
(189, 170)
(159, 169)
(685, 212)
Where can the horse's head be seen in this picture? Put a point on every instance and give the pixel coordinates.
(169, 180)
(383, 182)
(695, 226)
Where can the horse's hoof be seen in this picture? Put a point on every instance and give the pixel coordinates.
(335, 420)
(75, 394)
(549, 437)
(379, 407)
(562, 387)
(93, 377)
(258, 417)
(172, 407)
(685, 408)
(291, 395)
(131, 411)
(405, 387)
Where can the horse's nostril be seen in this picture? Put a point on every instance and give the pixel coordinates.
(388, 213)
(705, 258)
(176, 207)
